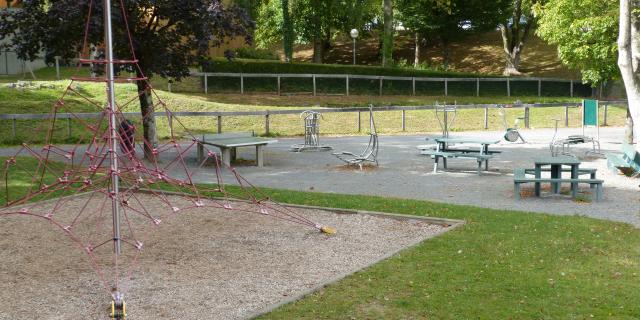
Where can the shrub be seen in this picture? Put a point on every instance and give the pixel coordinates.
(257, 54)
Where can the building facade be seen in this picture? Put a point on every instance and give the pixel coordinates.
(10, 64)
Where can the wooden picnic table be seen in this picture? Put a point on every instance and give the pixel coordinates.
(556, 164)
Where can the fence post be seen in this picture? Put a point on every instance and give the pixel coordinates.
(380, 93)
(206, 84)
(526, 117)
(69, 127)
(347, 84)
(359, 122)
(266, 123)
(278, 84)
(170, 118)
(219, 124)
(13, 127)
(404, 120)
(486, 117)
(477, 87)
(169, 86)
(413, 85)
(566, 116)
(571, 89)
(606, 110)
(314, 84)
(509, 88)
(539, 88)
(57, 67)
(446, 87)
(241, 84)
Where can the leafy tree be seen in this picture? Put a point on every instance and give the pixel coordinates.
(250, 6)
(313, 21)
(387, 34)
(168, 36)
(448, 20)
(585, 33)
(629, 62)
(287, 31)
(515, 32)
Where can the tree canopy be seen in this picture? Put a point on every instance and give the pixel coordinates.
(313, 21)
(155, 28)
(449, 20)
(585, 33)
(168, 36)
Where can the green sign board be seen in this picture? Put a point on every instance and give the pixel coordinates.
(589, 112)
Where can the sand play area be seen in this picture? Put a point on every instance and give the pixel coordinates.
(203, 263)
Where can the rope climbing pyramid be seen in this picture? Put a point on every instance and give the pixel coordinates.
(96, 190)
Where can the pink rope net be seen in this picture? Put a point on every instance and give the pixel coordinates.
(71, 186)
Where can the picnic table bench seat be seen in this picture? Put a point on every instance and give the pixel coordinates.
(229, 142)
(480, 158)
(581, 171)
(462, 150)
(520, 177)
(627, 162)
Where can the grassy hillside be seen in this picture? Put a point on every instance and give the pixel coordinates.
(479, 54)
(41, 98)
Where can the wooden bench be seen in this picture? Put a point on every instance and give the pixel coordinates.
(480, 158)
(520, 177)
(628, 162)
(229, 142)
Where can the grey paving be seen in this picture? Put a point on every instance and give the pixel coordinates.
(403, 173)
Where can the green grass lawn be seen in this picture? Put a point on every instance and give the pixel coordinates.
(42, 98)
(499, 265)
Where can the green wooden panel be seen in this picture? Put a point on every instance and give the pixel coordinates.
(590, 112)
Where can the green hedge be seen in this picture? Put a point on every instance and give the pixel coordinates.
(521, 87)
(268, 66)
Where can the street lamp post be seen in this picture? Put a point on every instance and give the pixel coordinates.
(354, 35)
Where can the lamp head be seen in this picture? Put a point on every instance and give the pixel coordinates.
(354, 33)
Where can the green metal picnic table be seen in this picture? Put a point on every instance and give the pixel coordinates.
(556, 164)
(443, 150)
(444, 142)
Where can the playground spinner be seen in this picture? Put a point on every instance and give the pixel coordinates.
(103, 172)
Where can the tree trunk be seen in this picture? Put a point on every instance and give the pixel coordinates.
(287, 32)
(446, 53)
(629, 60)
(318, 50)
(628, 128)
(513, 38)
(416, 55)
(387, 37)
(150, 141)
(511, 53)
(318, 45)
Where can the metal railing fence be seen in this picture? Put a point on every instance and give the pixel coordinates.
(13, 118)
(349, 84)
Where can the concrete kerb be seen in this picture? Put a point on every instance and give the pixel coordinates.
(455, 224)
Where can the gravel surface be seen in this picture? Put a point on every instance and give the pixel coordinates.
(203, 264)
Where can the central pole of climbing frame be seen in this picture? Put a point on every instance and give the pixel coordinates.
(111, 106)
